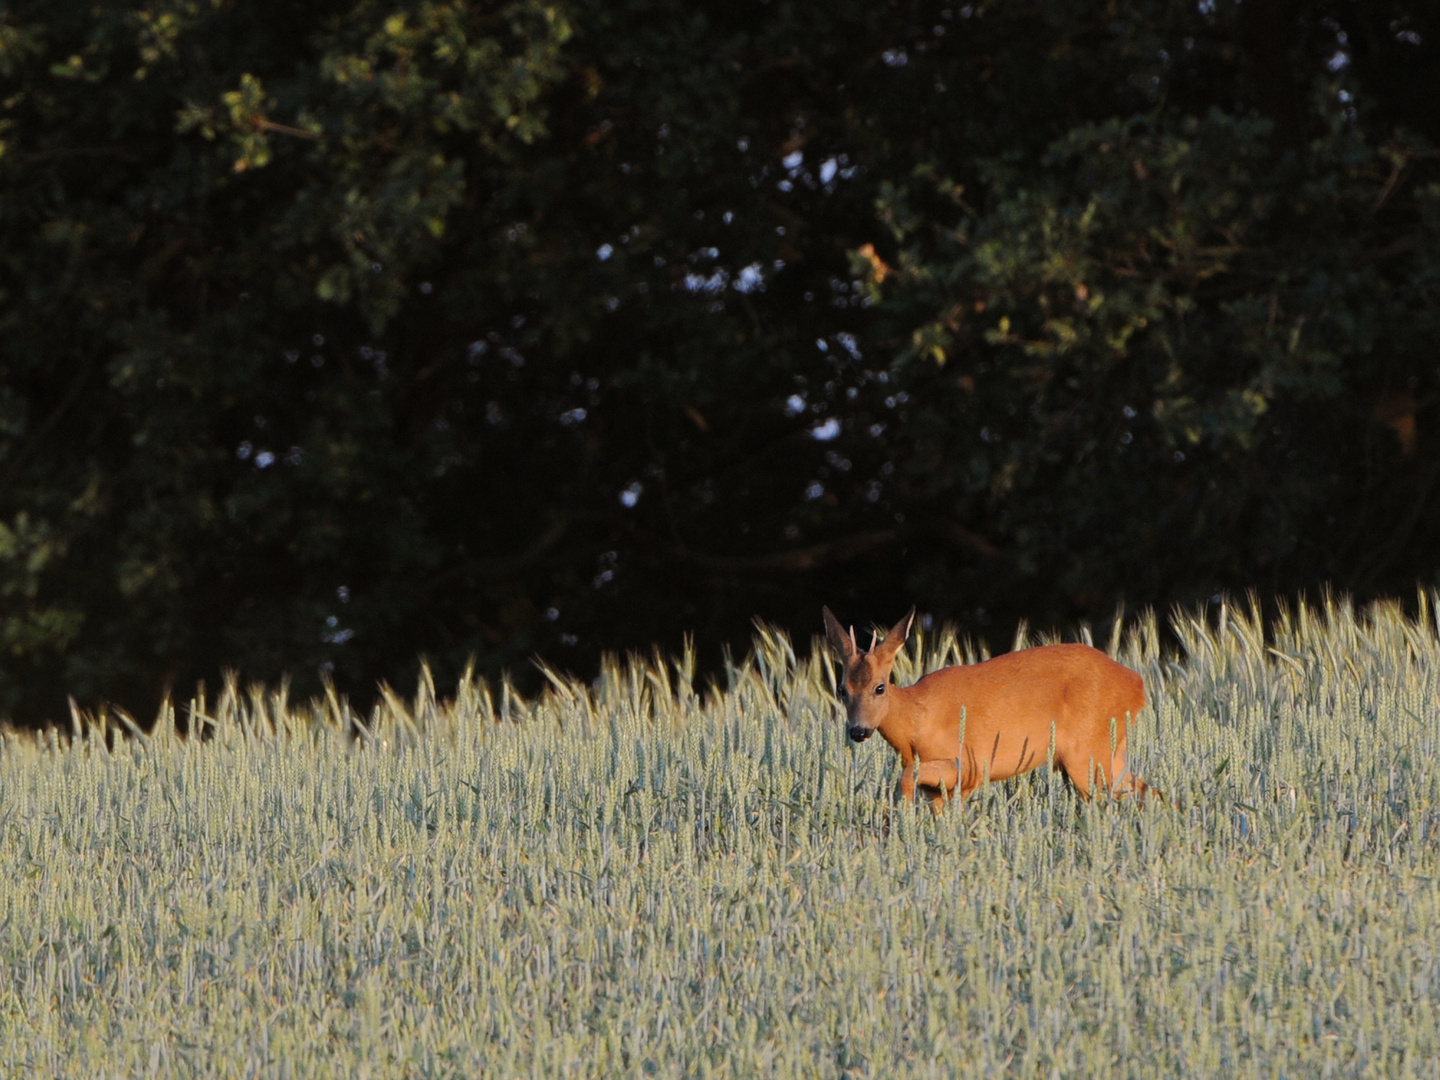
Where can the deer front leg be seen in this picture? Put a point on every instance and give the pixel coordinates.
(943, 773)
(905, 789)
(938, 780)
(935, 780)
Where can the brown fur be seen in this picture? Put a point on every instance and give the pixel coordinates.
(1014, 705)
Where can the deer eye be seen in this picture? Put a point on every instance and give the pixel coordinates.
(880, 688)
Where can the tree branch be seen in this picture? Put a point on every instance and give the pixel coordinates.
(834, 552)
(503, 566)
(797, 559)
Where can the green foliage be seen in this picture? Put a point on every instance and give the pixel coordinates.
(628, 878)
(1175, 330)
(335, 334)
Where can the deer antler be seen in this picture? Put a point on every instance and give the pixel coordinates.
(874, 637)
(853, 646)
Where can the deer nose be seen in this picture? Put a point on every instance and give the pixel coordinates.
(860, 734)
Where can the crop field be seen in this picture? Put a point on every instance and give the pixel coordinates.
(630, 878)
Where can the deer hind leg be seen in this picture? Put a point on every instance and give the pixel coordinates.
(1130, 784)
(1126, 782)
(1091, 773)
(1079, 774)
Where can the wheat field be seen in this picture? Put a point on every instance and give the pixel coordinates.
(630, 878)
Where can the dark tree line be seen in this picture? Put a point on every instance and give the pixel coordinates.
(342, 332)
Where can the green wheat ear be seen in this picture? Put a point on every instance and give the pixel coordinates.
(629, 875)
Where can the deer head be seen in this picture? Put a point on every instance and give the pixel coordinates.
(865, 687)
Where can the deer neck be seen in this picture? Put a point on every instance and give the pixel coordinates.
(898, 727)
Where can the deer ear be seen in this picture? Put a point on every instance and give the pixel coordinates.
(840, 641)
(896, 638)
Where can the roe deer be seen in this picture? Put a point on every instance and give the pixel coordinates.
(1071, 700)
